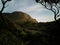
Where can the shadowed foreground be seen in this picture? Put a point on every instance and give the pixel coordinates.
(28, 33)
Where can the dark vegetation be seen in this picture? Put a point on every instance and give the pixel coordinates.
(52, 5)
(28, 33)
(18, 28)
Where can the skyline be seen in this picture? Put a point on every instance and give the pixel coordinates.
(30, 7)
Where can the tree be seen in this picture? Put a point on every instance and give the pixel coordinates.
(52, 5)
(3, 3)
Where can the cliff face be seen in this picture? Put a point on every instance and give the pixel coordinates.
(20, 17)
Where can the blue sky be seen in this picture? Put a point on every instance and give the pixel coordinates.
(30, 7)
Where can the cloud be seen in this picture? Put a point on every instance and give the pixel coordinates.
(36, 7)
(35, 10)
(38, 12)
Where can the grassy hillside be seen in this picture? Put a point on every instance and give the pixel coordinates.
(20, 17)
(12, 32)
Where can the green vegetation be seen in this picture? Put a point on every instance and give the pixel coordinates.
(28, 33)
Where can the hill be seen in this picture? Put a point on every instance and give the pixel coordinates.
(7, 31)
(29, 33)
(20, 17)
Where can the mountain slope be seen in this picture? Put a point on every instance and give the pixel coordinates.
(30, 34)
(8, 32)
(20, 17)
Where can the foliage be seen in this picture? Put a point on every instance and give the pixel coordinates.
(52, 5)
(30, 33)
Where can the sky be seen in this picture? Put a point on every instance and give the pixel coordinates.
(35, 10)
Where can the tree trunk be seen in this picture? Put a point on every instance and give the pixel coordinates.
(2, 8)
(55, 17)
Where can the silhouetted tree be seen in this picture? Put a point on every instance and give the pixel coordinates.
(52, 5)
(3, 3)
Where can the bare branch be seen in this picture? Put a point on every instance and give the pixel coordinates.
(54, 6)
(49, 9)
(4, 3)
(58, 15)
(57, 10)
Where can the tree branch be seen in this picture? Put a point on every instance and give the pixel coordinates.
(58, 15)
(49, 9)
(54, 6)
(3, 5)
(57, 10)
